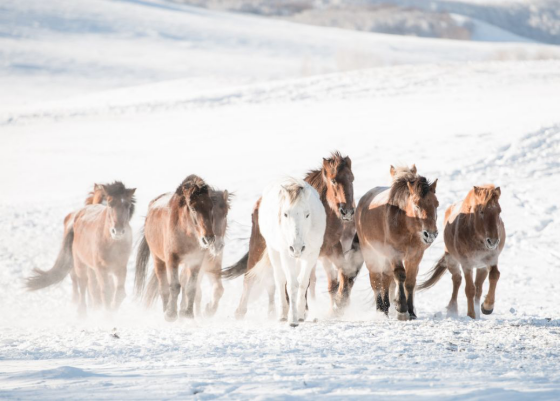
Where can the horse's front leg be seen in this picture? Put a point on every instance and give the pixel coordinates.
(172, 265)
(161, 274)
(306, 267)
(290, 268)
(193, 271)
(120, 293)
(105, 287)
(213, 272)
(280, 280)
(400, 302)
(411, 271)
(469, 290)
(481, 275)
(488, 306)
(345, 276)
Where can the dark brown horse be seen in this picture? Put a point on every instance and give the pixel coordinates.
(334, 183)
(395, 225)
(211, 264)
(98, 238)
(179, 229)
(474, 236)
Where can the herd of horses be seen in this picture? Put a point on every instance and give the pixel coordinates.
(295, 224)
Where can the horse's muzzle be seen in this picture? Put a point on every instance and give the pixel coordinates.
(429, 237)
(492, 243)
(207, 241)
(346, 214)
(117, 234)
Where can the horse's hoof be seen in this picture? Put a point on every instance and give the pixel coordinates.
(412, 316)
(239, 315)
(486, 311)
(170, 317)
(403, 316)
(186, 314)
(301, 320)
(294, 324)
(283, 319)
(209, 311)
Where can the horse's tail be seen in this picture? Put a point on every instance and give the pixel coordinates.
(435, 274)
(152, 291)
(64, 263)
(142, 259)
(237, 269)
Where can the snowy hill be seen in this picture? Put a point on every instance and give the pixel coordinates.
(149, 92)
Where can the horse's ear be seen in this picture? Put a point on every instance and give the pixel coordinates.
(130, 192)
(97, 187)
(497, 192)
(103, 189)
(413, 169)
(393, 171)
(348, 162)
(433, 186)
(327, 168)
(225, 194)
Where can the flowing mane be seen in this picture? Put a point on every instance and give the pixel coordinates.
(315, 177)
(292, 190)
(399, 193)
(116, 190)
(194, 185)
(484, 195)
(96, 196)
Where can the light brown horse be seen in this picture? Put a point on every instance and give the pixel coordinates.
(97, 237)
(334, 183)
(179, 229)
(211, 264)
(395, 225)
(474, 237)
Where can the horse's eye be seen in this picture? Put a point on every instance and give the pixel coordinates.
(285, 214)
(333, 181)
(307, 216)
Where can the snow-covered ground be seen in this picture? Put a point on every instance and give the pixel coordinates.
(151, 92)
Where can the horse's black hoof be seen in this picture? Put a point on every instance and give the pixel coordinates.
(412, 316)
(486, 311)
(293, 325)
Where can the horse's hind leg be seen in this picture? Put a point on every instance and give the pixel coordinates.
(313, 282)
(161, 274)
(456, 278)
(82, 277)
(270, 289)
(481, 275)
(280, 280)
(75, 290)
(488, 306)
(332, 283)
(174, 289)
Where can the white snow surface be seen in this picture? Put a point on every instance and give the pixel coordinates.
(240, 113)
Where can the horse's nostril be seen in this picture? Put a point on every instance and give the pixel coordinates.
(113, 231)
(342, 211)
(303, 248)
(291, 248)
(425, 234)
(204, 241)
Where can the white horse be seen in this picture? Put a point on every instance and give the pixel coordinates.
(292, 220)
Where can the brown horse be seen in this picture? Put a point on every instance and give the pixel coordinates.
(97, 237)
(395, 225)
(211, 264)
(474, 237)
(334, 183)
(179, 229)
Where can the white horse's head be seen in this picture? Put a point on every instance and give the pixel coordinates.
(295, 215)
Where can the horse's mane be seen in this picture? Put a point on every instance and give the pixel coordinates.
(315, 177)
(217, 196)
(96, 196)
(292, 189)
(117, 189)
(486, 196)
(399, 193)
(193, 184)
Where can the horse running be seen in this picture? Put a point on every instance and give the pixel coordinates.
(211, 264)
(292, 220)
(474, 237)
(395, 225)
(97, 237)
(334, 184)
(179, 229)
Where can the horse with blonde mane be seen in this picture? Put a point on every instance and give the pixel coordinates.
(395, 225)
(475, 236)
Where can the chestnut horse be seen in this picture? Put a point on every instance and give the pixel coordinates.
(211, 264)
(97, 237)
(334, 183)
(395, 225)
(474, 237)
(179, 229)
